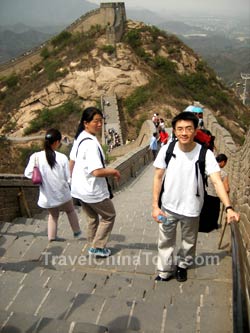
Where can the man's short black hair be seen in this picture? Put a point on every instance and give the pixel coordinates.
(221, 158)
(186, 115)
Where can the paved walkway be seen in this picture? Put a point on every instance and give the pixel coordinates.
(57, 287)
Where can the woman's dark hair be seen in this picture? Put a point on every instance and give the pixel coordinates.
(51, 136)
(221, 158)
(186, 115)
(87, 115)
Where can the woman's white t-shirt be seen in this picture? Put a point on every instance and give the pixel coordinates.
(54, 189)
(180, 187)
(84, 185)
(210, 187)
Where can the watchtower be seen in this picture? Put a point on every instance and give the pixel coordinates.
(114, 16)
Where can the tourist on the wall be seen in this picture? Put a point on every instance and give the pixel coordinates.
(54, 192)
(89, 181)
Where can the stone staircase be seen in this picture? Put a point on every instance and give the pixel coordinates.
(110, 109)
(57, 287)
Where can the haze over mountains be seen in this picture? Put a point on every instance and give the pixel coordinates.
(224, 42)
(39, 13)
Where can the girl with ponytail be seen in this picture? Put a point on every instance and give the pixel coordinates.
(54, 192)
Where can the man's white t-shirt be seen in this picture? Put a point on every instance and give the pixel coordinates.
(84, 185)
(180, 187)
(54, 190)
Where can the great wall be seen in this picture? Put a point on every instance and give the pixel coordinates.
(18, 196)
(111, 16)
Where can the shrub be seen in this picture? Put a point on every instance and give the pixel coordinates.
(52, 117)
(138, 98)
(45, 53)
(110, 49)
(24, 153)
(2, 95)
(140, 121)
(51, 69)
(164, 65)
(133, 38)
(11, 81)
(85, 46)
(62, 39)
(10, 125)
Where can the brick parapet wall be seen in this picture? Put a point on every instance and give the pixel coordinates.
(146, 132)
(17, 192)
(238, 168)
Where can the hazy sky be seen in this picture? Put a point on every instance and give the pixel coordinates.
(227, 7)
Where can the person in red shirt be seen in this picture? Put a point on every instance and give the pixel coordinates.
(163, 136)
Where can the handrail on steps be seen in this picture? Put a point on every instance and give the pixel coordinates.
(240, 306)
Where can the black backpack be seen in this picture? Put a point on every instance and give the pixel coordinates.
(199, 165)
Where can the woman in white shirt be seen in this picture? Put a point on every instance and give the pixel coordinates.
(89, 181)
(54, 192)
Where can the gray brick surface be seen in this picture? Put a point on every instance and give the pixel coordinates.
(49, 325)
(21, 323)
(5, 242)
(28, 299)
(142, 317)
(120, 293)
(86, 308)
(19, 247)
(215, 317)
(82, 287)
(3, 316)
(37, 247)
(7, 293)
(56, 304)
(89, 328)
(4, 226)
(114, 312)
(177, 319)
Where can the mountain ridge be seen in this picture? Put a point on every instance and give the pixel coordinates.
(149, 71)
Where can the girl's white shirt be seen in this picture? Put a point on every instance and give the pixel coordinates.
(54, 189)
(84, 185)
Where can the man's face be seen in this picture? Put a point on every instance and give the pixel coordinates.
(185, 131)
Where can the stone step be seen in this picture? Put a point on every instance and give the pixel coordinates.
(132, 299)
(20, 322)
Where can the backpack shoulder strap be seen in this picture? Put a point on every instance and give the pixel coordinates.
(202, 160)
(201, 163)
(101, 157)
(80, 144)
(169, 152)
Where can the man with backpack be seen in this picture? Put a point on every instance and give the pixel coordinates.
(180, 169)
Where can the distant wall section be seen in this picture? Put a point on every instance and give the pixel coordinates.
(111, 15)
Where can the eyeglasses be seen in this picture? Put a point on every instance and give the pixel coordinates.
(97, 121)
(188, 129)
